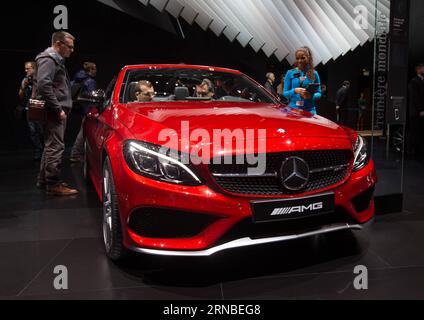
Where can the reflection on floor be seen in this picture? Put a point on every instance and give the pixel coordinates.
(389, 164)
(38, 233)
(371, 133)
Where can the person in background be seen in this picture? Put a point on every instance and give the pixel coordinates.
(280, 90)
(325, 107)
(83, 84)
(224, 87)
(299, 79)
(415, 112)
(25, 92)
(205, 89)
(342, 99)
(362, 106)
(324, 91)
(269, 84)
(145, 91)
(52, 84)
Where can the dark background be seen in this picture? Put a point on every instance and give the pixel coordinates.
(416, 39)
(113, 39)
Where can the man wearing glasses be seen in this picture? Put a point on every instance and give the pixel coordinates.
(145, 91)
(52, 85)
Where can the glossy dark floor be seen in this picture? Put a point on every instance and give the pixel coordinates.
(38, 233)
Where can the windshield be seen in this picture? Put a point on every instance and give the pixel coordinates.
(174, 84)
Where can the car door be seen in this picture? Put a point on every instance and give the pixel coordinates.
(97, 128)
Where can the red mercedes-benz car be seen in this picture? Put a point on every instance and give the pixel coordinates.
(193, 160)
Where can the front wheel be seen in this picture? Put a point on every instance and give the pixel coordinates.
(111, 223)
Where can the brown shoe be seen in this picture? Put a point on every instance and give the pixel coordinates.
(43, 185)
(61, 191)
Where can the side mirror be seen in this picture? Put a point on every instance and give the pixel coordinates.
(97, 97)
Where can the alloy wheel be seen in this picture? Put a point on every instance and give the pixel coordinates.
(107, 211)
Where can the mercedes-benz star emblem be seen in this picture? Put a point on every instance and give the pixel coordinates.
(294, 174)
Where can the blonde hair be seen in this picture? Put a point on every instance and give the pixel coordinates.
(310, 72)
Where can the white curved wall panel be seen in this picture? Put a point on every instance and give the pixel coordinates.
(279, 27)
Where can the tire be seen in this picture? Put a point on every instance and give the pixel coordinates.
(111, 222)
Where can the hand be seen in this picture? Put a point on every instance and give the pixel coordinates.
(337, 107)
(300, 91)
(422, 114)
(25, 84)
(303, 93)
(306, 95)
(62, 116)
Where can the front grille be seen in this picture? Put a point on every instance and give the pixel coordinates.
(337, 163)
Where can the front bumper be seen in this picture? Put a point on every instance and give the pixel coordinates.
(247, 242)
(136, 192)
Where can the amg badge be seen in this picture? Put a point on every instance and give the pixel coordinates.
(288, 209)
(297, 209)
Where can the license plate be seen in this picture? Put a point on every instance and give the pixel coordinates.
(275, 210)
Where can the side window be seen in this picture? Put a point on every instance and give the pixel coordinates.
(109, 93)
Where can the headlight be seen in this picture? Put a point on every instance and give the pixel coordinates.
(362, 156)
(148, 160)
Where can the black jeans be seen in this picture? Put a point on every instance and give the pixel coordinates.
(36, 136)
(54, 146)
(78, 148)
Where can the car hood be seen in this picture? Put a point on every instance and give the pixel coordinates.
(147, 121)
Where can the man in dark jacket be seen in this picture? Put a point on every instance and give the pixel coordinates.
(269, 84)
(342, 100)
(25, 93)
(415, 111)
(84, 83)
(52, 85)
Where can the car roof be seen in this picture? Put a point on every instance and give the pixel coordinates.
(179, 66)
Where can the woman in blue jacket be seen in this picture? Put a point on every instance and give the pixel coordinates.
(302, 85)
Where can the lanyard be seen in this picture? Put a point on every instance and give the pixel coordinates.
(301, 82)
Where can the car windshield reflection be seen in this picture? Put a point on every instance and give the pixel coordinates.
(172, 84)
